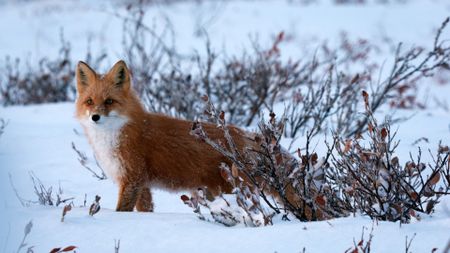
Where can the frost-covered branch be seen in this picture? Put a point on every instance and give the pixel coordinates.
(371, 179)
(83, 159)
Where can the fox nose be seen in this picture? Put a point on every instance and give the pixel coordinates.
(95, 117)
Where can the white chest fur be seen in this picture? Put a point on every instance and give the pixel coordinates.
(105, 140)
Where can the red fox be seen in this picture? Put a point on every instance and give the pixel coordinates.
(140, 150)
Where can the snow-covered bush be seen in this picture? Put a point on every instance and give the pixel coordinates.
(22, 83)
(50, 81)
(241, 207)
(352, 177)
(371, 179)
(46, 196)
(269, 169)
(320, 91)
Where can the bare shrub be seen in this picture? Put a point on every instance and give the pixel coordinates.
(244, 206)
(23, 83)
(333, 97)
(370, 178)
(363, 244)
(320, 93)
(45, 195)
(352, 177)
(329, 97)
(224, 215)
(51, 81)
(268, 168)
(172, 83)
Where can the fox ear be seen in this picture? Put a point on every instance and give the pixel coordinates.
(85, 75)
(120, 75)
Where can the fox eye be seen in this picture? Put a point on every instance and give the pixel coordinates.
(90, 101)
(109, 101)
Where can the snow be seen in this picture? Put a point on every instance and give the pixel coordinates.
(38, 138)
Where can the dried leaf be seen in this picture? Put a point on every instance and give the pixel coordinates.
(384, 133)
(185, 198)
(394, 161)
(365, 94)
(360, 243)
(314, 158)
(55, 250)
(355, 79)
(397, 208)
(234, 170)
(273, 142)
(280, 36)
(208, 195)
(435, 179)
(427, 191)
(66, 209)
(370, 127)
(366, 98)
(321, 200)
(410, 167)
(430, 206)
(68, 248)
(272, 118)
(95, 207)
(414, 196)
(348, 145)
(225, 173)
(443, 149)
(350, 191)
(205, 98)
(308, 213)
(279, 158)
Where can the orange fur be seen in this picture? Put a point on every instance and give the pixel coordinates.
(141, 149)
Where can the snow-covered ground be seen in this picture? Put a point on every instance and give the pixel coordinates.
(38, 138)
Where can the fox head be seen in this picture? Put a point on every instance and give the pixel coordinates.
(107, 100)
